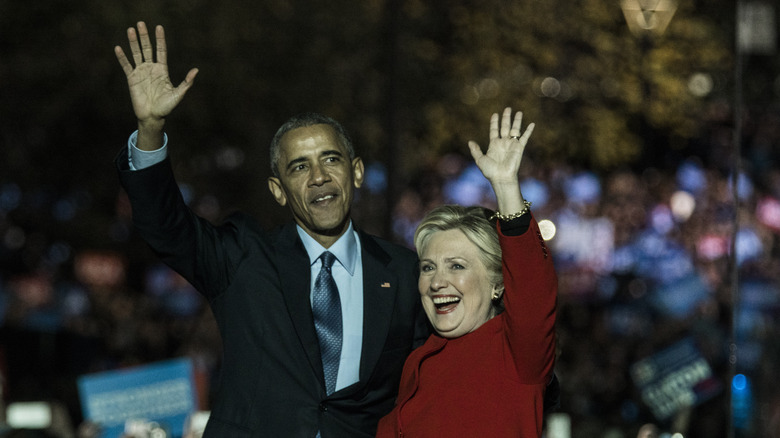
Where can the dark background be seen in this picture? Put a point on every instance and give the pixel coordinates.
(413, 81)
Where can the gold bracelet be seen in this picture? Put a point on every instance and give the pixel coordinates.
(509, 217)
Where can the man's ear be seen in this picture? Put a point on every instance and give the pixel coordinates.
(275, 186)
(358, 172)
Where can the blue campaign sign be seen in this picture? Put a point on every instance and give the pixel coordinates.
(675, 378)
(161, 392)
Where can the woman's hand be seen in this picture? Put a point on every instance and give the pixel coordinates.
(501, 163)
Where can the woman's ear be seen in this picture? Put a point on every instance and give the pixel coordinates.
(498, 291)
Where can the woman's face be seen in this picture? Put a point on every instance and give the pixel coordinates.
(454, 285)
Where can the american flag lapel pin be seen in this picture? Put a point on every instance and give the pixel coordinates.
(385, 284)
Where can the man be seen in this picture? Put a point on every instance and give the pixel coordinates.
(290, 367)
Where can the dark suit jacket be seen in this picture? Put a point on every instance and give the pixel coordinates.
(257, 283)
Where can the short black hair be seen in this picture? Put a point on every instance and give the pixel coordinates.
(301, 121)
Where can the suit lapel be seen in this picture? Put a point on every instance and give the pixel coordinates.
(379, 290)
(294, 276)
(380, 286)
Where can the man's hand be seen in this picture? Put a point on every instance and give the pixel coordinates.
(151, 91)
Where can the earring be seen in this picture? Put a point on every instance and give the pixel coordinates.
(498, 290)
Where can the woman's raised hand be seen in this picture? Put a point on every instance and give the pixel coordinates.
(501, 162)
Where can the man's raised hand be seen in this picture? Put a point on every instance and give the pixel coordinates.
(151, 91)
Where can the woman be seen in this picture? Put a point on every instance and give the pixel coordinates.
(489, 289)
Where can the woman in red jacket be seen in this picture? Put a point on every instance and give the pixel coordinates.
(489, 289)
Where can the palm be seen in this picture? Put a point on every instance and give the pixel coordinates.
(501, 162)
(501, 159)
(151, 91)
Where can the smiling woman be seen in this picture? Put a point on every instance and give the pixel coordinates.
(460, 282)
(489, 289)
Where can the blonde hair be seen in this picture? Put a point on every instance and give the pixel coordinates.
(473, 222)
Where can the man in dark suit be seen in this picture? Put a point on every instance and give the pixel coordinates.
(280, 376)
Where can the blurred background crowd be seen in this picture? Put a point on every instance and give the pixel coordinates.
(653, 169)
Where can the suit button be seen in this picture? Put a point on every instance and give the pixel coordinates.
(323, 408)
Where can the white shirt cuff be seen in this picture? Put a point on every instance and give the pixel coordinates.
(138, 159)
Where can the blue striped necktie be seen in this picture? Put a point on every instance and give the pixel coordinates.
(326, 307)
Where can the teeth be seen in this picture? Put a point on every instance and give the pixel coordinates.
(445, 300)
(324, 198)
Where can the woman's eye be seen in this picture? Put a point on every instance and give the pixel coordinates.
(457, 266)
(426, 268)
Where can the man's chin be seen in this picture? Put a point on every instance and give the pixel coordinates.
(331, 229)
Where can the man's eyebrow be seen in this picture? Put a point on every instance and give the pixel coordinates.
(300, 160)
(330, 152)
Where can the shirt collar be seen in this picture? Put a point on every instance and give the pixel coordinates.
(345, 249)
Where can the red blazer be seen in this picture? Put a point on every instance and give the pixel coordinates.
(490, 382)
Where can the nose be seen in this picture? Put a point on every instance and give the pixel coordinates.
(319, 175)
(438, 281)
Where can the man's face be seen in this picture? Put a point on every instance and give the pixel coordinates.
(317, 180)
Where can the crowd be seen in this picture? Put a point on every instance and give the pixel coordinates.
(643, 257)
(77, 312)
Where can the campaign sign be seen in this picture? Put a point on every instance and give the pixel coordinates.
(675, 378)
(162, 392)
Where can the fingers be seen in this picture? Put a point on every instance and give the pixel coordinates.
(509, 128)
(162, 48)
(135, 49)
(476, 151)
(140, 45)
(142, 49)
(494, 127)
(191, 75)
(187, 82)
(516, 126)
(506, 122)
(527, 134)
(515, 131)
(185, 85)
(123, 61)
(146, 43)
